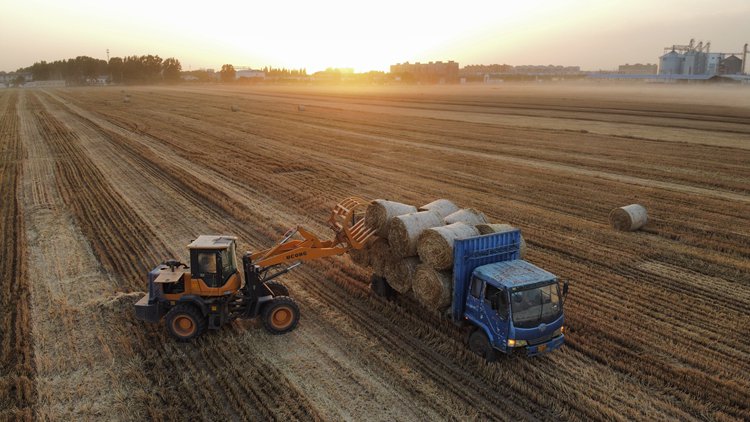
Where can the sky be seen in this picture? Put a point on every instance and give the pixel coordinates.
(593, 34)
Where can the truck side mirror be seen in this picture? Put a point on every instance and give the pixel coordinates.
(565, 288)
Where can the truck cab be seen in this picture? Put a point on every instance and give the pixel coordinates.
(518, 307)
(508, 304)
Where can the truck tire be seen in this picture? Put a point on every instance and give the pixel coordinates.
(379, 286)
(480, 344)
(185, 322)
(277, 289)
(280, 315)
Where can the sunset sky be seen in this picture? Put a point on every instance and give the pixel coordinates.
(593, 34)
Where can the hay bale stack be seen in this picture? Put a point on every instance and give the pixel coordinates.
(502, 228)
(404, 231)
(400, 273)
(380, 256)
(380, 212)
(443, 207)
(469, 216)
(628, 218)
(433, 288)
(435, 245)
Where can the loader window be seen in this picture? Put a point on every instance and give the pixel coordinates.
(206, 263)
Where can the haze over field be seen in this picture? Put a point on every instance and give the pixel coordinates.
(593, 34)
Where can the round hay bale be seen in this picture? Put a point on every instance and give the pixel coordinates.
(628, 218)
(404, 231)
(380, 256)
(443, 207)
(400, 273)
(501, 228)
(435, 245)
(432, 288)
(467, 215)
(235, 108)
(360, 257)
(300, 108)
(380, 212)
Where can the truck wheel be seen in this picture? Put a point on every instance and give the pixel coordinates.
(185, 322)
(277, 289)
(280, 315)
(480, 344)
(379, 286)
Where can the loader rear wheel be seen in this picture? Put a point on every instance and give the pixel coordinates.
(277, 289)
(480, 344)
(185, 322)
(280, 315)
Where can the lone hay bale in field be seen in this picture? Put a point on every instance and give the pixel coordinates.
(380, 256)
(435, 245)
(502, 228)
(234, 108)
(300, 108)
(433, 288)
(467, 215)
(628, 218)
(443, 207)
(404, 231)
(380, 212)
(400, 273)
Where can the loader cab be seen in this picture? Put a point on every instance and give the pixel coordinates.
(213, 261)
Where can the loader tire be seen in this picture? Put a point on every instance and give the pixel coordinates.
(185, 322)
(480, 344)
(280, 315)
(277, 289)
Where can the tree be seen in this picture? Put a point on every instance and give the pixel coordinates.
(227, 73)
(115, 69)
(171, 70)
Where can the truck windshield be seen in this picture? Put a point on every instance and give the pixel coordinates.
(536, 305)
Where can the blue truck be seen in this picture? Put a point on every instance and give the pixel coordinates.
(505, 304)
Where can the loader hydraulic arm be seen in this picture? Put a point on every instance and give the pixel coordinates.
(347, 222)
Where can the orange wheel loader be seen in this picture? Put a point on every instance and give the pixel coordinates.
(214, 290)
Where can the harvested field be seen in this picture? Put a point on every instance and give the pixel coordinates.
(96, 191)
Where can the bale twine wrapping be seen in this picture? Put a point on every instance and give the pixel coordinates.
(628, 218)
(404, 231)
(400, 273)
(502, 228)
(435, 245)
(380, 256)
(380, 212)
(467, 215)
(433, 288)
(443, 207)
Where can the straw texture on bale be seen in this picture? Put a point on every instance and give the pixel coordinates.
(435, 245)
(467, 215)
(501, 228)
(400, 273)
(433, 288)
(380, 212)
(380, 256)
(361, 257)
(628, 218)
(404, 231)
(443, 207)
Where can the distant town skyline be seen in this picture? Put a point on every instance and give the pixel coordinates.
(592, 34)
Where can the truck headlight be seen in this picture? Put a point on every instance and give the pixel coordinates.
(558, 332)
(516, 343)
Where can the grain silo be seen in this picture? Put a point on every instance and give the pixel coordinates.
(671, 63)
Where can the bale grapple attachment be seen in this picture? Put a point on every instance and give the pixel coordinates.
(348, 222)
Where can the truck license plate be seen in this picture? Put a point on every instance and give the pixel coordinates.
(541, 348)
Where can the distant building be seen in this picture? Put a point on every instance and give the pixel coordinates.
(637, 69)
(432, 72)
(731, 65)
(697, 59)
(250, 74)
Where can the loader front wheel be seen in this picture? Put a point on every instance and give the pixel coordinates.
(280, 315)
(277, 289)
(185, 322)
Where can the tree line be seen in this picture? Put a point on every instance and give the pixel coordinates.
(84, 70)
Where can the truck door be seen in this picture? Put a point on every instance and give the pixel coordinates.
(497, 317)
(474, 299)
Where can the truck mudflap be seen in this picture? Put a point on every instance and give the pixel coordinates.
(545, 347)
(149, 312)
